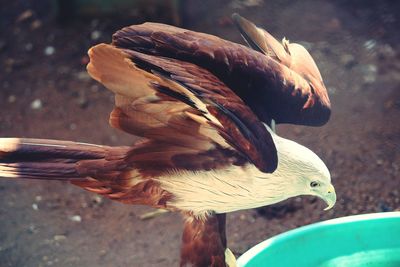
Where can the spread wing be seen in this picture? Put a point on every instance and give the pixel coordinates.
(287, 93)
(190, 119)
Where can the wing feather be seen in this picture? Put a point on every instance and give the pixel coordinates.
(275, 85)
(183, 110)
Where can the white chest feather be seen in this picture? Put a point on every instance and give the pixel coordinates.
(224, 190)
(236, 188)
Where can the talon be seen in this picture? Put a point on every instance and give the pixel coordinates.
(273, 125)
(230, 259)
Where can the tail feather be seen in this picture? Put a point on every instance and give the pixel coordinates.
(53, 159)
(38, 170)
(104, 170)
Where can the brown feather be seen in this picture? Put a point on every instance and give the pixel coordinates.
(51, 159)
(260, 40)
(178, 104)
(241, 127)
(100, 169)
(204, 241)
(269, 87)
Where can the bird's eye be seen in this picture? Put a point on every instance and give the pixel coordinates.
(314, 184)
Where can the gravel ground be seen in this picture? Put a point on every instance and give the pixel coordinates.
(46, 93)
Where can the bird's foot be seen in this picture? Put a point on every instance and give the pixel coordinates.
(152, 214)
(230, 259)
(273, 125)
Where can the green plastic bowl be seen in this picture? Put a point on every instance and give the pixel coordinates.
(370, 240)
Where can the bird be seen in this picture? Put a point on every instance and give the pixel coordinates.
(206, 110)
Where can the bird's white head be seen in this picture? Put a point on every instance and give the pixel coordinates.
(304, 170)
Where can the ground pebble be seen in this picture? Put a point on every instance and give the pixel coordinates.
(75, 218)
(36, 104)
(83, 76)
(369, 73)
(12, 99)
(49, 50)
(25, 15)
(36, 24)
(370, 44)
(347, 60)
(72, 126)
(95, 35)
(332, 90)
(59, 237)
(32, 229)
(97, 199)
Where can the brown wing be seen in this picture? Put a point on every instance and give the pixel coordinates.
(292, 55)
(191, 119)
(273, 90)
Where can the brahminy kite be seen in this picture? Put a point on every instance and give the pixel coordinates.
(205, 107)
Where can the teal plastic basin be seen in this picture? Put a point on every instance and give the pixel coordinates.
(370, 240)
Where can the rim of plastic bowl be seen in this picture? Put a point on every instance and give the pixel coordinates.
(254, 251)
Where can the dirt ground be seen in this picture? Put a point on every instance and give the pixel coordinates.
(46, 93)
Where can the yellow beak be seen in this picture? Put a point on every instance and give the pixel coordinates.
(330, 197)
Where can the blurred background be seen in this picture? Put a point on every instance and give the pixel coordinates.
(45, 92)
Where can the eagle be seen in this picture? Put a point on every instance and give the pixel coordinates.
(206, 110)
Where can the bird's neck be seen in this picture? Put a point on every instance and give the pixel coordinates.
(271, 188)
(286, 181)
